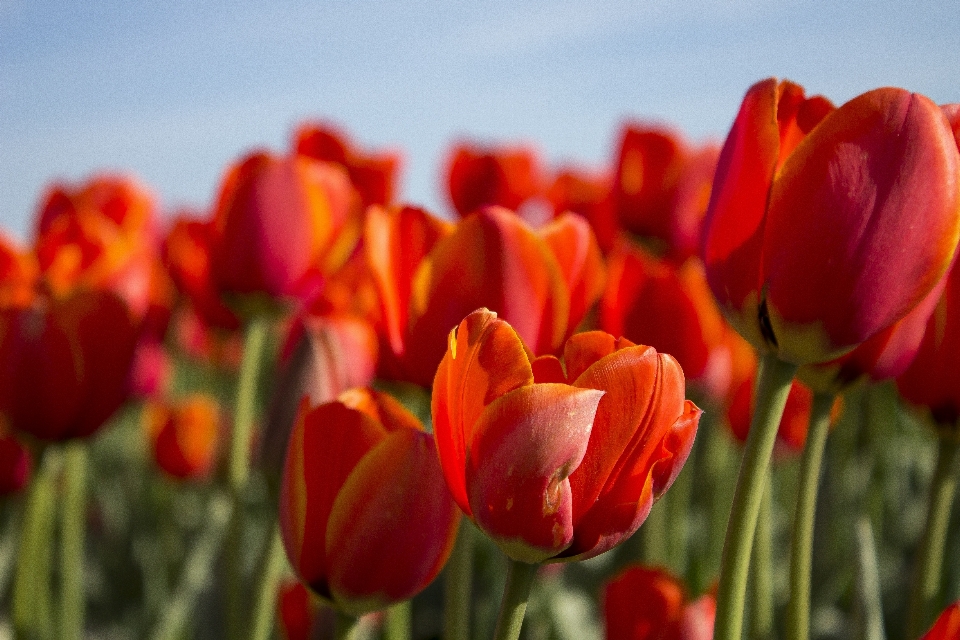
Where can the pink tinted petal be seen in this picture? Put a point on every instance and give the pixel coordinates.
(525, 446)
(392, 526)
(862, 223)
(485, 359)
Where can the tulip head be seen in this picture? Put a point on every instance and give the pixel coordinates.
(281, 224)
(184, 435)
(826, 226)
(646, 603)
(479, 177)
(365, 516)
(15, 464)
(557, 460)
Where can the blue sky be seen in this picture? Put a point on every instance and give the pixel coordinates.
(172, 91)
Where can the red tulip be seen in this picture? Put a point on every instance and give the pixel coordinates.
(64, 363)
(15, 465)
(480, 176)
(557, 461)
(792, 432)
(827, 226)
(652, 301)
(947, 626)
(281, 224)
(296, 611)
(365, 516)
(661, 187)
(431, 277)
(184, 435)
(374, 176)
(642, 603)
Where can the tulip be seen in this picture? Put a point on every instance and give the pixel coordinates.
(686, 322)
(15, 465)
(792, 433)
(947, 626)
(64, 364)
(587, 195)
(365, 516)
(373, 175)
(661, 187)
(557, 461)
(645, 603)
(184, 435)
(480, 176)
(297, 612)
(826, 226)
(431, 275)
(281, 224)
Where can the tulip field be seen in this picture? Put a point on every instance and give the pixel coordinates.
(702, 392)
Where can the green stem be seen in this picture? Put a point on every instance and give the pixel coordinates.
(32, 608)
(9, 540)
(72, 522)
(801, 546)
(399, 621)
(516, 592)
(238, 468)
(761, 627)
(269, 570)
(345, 627)
(868, 583)
(926, 585)
(654, 533)
(196, 571)
(458, 585)
(773, 386)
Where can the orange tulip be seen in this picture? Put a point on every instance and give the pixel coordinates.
(184, 435)
(827, 226)
(374, 175)
(947, 626)
(479, 176)
(281, 224)
(430, 275)
(587, 195)
(652, 301)
(646, 603)
(557, 461)
(365, 516)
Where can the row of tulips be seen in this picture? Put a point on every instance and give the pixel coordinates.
(341, 377)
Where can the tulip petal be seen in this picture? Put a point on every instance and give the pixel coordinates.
(392, 526)
(485, 360)
(525, 446)
(382, 407)
(862, 223)
(574, 244)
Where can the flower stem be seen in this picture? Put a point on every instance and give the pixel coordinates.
(238, 468)
(801, 546)
(926, 585)
(761, 627)
(399, 619)
(868, 583)
(196, 570)
(72, 522)
(345, 627)
(32, 608)
(773, 386)
(458, 585)
(515, 595)
(269, 570)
